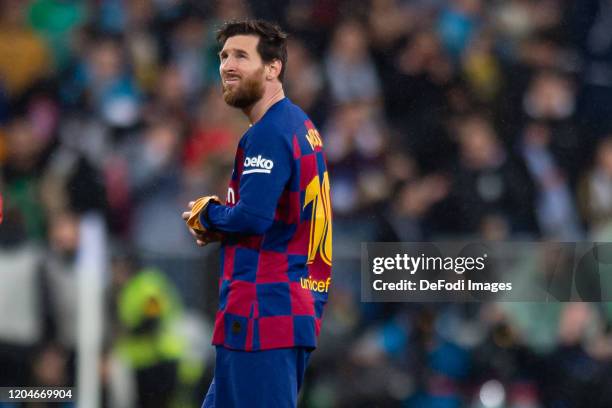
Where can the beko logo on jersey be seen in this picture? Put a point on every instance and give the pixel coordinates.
(259, 165)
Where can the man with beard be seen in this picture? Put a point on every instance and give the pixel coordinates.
(275, 229)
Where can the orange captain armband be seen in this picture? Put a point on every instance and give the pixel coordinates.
(200, 205)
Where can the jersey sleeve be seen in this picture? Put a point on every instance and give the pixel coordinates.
(266, 170)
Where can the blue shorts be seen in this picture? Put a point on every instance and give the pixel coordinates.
(269, 378)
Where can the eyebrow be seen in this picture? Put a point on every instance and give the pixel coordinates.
(237, 50)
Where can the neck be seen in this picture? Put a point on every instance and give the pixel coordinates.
(256, 111)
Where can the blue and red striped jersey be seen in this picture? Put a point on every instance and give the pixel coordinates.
(276, 260)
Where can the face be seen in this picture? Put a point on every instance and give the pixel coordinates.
(604, 156)
(242, 71)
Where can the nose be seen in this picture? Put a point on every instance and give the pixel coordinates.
(227, 65)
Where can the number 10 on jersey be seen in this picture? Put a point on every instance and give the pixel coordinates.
(317, 194)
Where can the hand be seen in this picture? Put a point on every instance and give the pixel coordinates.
(203, 237)
(197, 207)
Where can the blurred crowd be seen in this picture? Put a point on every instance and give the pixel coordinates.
(442, 119)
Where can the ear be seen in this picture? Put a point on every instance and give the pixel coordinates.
(273, 69)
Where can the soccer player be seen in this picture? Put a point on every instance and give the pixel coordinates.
(275, 228)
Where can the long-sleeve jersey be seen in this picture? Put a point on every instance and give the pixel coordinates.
(276, 260)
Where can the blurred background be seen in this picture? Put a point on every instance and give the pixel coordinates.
(442, 119)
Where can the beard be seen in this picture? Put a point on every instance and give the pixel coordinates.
(246, 93)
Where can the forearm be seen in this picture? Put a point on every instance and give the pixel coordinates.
(235, 219)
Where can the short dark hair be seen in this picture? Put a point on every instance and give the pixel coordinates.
(272, 40)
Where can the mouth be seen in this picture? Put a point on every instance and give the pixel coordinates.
(230, 80)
